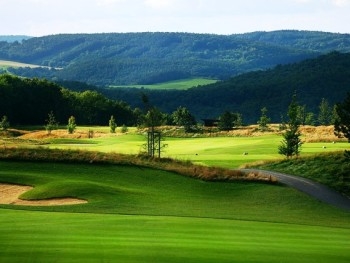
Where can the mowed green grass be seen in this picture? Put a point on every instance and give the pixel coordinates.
(225, 152)
(66, 237)
(138, 214)
(182, 84)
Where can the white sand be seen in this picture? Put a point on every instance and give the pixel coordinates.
(9, 194)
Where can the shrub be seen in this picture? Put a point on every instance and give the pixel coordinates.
(4, 124)
(71, 125)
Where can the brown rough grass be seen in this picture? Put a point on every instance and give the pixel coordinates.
(319, 134)
(58, 134)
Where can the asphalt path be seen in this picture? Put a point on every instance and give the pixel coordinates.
(312, 188)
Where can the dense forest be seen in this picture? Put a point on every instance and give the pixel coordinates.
(30, 101)
(145, 58)
(327, 76)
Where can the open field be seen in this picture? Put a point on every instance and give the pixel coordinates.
(139, 214)
(14, 64)
(176, 84)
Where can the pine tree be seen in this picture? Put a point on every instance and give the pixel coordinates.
(264, 120)
(4, 124)
(51, 123)
(112, 124)
(71, 125)
(291, 138)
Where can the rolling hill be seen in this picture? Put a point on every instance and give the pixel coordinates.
(327, 76)
(147, 58)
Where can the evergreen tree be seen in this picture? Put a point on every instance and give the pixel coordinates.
(51, 123)
(325, 113)
(226, 121)
(112, 124)
(264, 120)
(238, 120)
(4, 124)
(342, 123)
(71, 125)
(291, 138)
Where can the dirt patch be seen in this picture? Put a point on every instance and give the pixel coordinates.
(9, 194)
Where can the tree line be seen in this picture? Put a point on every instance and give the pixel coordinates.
(26, 101)
(37, 101)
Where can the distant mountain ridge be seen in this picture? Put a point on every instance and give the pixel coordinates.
(146, 58)
(14, 38)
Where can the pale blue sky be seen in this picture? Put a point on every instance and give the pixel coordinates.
(46, 17)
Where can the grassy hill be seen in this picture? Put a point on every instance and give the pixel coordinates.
(182, 84)
(148, 58)
(11, 64)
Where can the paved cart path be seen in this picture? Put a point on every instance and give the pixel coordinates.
(312, 188)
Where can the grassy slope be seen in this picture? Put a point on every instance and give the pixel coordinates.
(176, 84)
(136, 190)
(331, 169)
(176, 219)
(14, 64)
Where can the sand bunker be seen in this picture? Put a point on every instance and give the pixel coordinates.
(9, 194)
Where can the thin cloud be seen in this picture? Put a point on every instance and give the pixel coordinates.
(45, 17)
(341, 3)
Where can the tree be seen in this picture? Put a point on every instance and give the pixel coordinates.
(226, 121)
(264, 120)
(291, 138)
(112, 124)
(335, 116)
(4, 124)
(238, 120)
(325, 113)
(51, 123)
(342, 123)
(183, 117)
(71, 125)
(304, 117)
(153, 118)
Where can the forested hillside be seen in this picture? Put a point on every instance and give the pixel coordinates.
(145, 58)
(29, 101)
(316, 41)
(327, 76)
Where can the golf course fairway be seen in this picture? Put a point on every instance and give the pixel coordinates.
(28, 236)
(138, 214)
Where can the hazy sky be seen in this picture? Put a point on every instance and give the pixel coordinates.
(45, 17)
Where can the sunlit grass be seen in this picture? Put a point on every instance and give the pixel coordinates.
(182, 84)
(65, 237)
(228, 152)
